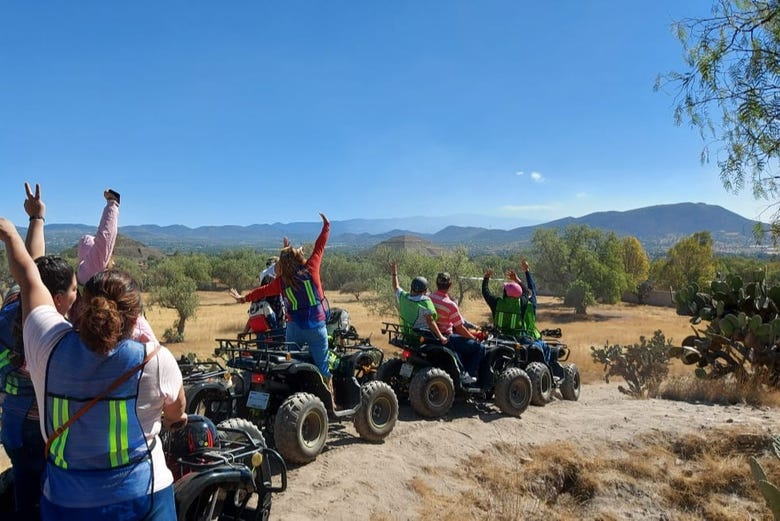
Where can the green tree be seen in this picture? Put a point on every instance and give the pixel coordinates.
(690, 260)
(729, 90)
(635, 263)
(238, 268)
(580, 253)
(173, 288)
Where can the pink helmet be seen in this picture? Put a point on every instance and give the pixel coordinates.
(513, 289)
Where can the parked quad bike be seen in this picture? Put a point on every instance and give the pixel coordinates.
(277, 387)
(429, 374)
(231, 479)
(543, 376)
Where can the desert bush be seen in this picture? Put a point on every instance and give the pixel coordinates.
(726, 391)
(741, 335)
(643, 366)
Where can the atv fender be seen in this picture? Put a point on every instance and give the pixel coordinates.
(221, 387)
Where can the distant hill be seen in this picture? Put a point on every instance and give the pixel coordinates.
(657, 227)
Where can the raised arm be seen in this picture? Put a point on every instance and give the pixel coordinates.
(36, 210)
(23, 269)
(99, 255)
(394, 274)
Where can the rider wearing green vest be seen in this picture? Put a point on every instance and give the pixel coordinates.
(416, 310)
(513, 313)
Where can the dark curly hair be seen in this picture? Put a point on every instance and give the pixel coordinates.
(112, 304)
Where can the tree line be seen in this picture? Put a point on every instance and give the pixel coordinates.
(579, 264)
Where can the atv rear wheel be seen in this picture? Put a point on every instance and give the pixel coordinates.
(378, 411)
(541, 381)
(390, 373)
(431, 392)
(513, 391)
(570, 387)
(301, 428)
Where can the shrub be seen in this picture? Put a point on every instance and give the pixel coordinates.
(643, 366)
(579, 296)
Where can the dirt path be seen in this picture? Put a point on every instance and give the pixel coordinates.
(352, 480)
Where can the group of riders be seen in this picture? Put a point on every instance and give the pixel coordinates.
(87, 388)
(435, 317)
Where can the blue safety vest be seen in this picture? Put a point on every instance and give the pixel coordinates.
(15, 382)
(103, 456)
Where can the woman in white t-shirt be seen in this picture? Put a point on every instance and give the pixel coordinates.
(108, 463)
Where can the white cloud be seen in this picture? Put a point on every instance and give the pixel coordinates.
(537, 177)
(582, 195)
(519, 173)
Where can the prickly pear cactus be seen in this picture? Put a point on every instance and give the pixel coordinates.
(770, 491)
(742, 328)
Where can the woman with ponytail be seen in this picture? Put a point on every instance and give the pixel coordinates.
(101, 396)
(298, 282)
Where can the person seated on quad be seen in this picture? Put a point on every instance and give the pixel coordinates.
(514, 313)
(267, 313)
(452, 324)
(416, 310)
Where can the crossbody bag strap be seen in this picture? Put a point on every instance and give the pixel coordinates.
(57, 433)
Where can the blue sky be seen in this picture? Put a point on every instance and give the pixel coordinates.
(209, 113)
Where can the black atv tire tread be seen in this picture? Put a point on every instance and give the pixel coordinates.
(419, 397)
(287, 425)
(369, 394)
(571, 386)
(542, 383)
(506, 383)
(243, 424)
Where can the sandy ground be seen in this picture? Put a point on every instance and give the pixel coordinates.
(353, 480)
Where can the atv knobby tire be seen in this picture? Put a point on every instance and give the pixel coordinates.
(390, 373)
(378, 411)
(570, 387)
(431, 392)
(301, 428)
(513, 391)
(541, 381)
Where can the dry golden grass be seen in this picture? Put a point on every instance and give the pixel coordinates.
(701, 476)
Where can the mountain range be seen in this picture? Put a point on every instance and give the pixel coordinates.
(657, 227)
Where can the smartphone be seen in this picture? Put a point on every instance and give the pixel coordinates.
(115, 194)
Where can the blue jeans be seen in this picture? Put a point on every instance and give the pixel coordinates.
(163, 508)
(316, 338)
(470, 352)
(28, 463)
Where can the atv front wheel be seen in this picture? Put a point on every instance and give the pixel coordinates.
(541, 381)
(513, 391)
(301, 428)
(570, 387)
(431, 392)
(378, 411)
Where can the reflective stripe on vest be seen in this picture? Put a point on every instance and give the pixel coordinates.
(59, 417)
(507, 317)
(118, 442)
(310, 295)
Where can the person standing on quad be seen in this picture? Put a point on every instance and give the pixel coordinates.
(298, 282)
(416, 310)
(452, 324)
